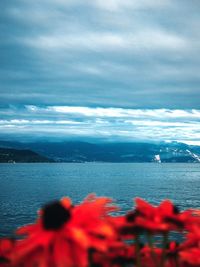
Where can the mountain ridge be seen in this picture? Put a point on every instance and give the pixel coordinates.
(10, 155)
(79, 151)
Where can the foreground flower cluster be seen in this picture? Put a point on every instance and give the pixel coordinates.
(89, 235)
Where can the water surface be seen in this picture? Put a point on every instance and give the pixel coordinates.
(25, 187)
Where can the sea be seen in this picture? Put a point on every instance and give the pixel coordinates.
(24, 188)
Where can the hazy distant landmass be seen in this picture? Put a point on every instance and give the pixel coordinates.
(8, 155)
(100, 152)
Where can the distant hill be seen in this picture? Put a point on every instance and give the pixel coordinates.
(8, 155)
(109, 152)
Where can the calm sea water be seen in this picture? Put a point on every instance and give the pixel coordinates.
(25, 187)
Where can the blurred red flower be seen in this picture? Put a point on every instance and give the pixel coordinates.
(63, 234)
(89, 235)
(6, 248)
(154, 219)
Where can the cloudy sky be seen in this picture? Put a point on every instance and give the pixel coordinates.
(109, 70)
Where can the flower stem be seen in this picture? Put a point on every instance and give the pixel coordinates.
(151, 245)
(137, 248)
(164, 248)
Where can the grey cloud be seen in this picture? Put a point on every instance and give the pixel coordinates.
(129, 54)
(66, 122)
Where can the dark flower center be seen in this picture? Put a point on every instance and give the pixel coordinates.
(55, 216)
(3, 260)
(176, 209)
(131, 216)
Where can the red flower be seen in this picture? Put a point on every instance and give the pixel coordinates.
(192, 238)
(146, 256)
(190, 248)
(118, 254)
(191, 256)
(162, 218)
(6, 248)
(63, 234)
(87, 235)
(152, 257)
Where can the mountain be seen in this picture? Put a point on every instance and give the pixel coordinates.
(111, 152)
(8, 155)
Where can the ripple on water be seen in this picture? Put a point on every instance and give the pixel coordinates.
(25, 187)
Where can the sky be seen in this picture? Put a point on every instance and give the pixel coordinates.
(114, 70)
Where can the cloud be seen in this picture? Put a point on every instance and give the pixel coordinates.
(117, 5)
(36, 122)
(146, 39)
(119, 112)
(115, 69)
(111, 124)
